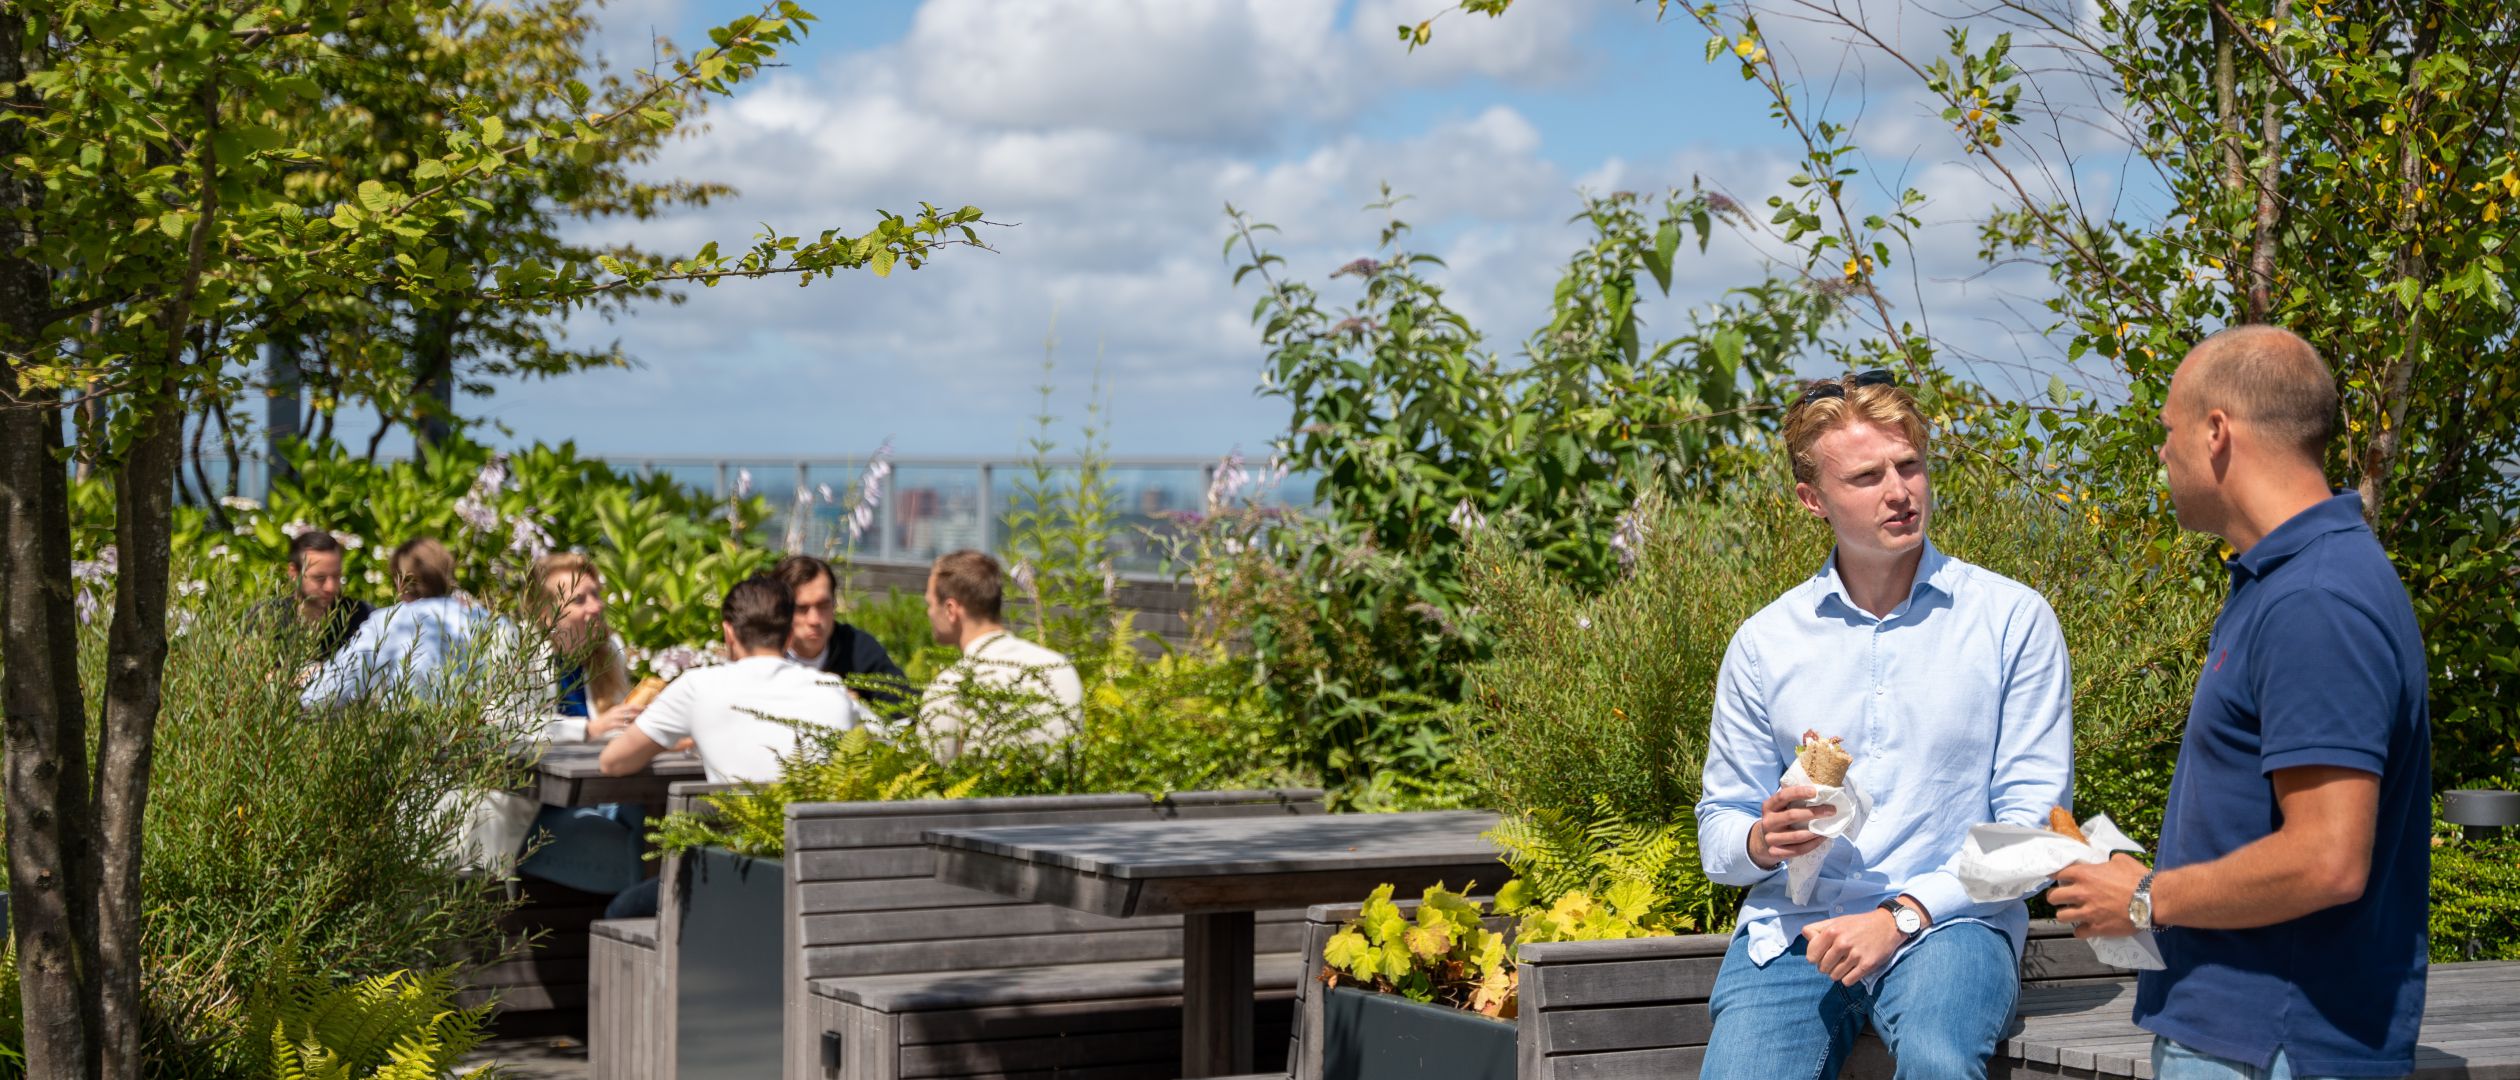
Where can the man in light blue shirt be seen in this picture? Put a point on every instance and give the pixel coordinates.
(410, 647)
(1949, 686)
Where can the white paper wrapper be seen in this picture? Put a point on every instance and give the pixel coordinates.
(2008, 862)
(1803, 870)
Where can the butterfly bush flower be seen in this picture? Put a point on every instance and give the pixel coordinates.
(526, 537)
(1628, 540)
(475, 508)
(239, 502)
(1467, 518)
(1226, 481)
(870, 493)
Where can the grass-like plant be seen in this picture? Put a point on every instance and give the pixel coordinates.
(285, 844)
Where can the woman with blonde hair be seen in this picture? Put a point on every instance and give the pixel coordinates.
(564, 594)
(590, 848)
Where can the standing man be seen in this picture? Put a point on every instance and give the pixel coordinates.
(822, 642)
(1004, 689)
(1949, 686)
(2291, 891)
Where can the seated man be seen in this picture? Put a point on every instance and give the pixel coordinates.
(820, 641)
(741, 716)
(1949, 686)
(315, 602)
(1005, 689)
(404, 647)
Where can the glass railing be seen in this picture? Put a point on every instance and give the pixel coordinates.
(930, 506)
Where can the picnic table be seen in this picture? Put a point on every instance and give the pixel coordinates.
(2471, 1028)
(566, 774)
(1215, 873)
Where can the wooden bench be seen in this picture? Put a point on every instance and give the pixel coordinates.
(856, 899)
(904, 976)
(1614, 1010)
(630, 1023)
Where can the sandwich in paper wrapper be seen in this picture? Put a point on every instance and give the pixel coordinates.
(2008, 862)
(1823, 763)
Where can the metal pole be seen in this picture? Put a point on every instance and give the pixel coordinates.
(988, 514)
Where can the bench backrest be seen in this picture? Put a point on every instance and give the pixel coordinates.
(862, 896)
(1637, 1007)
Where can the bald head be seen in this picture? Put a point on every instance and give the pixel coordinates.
(2268, 378)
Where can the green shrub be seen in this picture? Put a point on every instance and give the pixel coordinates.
(830, 766)
(2475, 898)
(667, 553)
(1445, 955)
(289, 848)
(1594, 707)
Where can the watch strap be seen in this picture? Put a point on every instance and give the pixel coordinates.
(2143, 892)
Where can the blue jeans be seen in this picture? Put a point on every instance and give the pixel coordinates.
(1941, 1008)
(2172, 1061)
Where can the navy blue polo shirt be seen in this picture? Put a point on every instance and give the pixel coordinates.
(2316, 659)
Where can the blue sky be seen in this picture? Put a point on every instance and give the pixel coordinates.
(1113, 132)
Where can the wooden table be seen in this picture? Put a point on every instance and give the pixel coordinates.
(2471, 1028)
(566, 774)
(1214, 873)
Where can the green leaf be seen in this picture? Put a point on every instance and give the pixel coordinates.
(374, 197)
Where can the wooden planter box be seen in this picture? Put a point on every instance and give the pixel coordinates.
(1370, 1036)
(728, 985)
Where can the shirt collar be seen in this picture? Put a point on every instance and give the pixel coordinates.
(2336, 513)
(1931, 573)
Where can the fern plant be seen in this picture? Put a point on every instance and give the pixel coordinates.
(829, 766)
(1605, 875)
(401, 1026)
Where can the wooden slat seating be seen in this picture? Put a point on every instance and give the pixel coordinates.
(1616, 1010)
(901, 976)
(629, 1009)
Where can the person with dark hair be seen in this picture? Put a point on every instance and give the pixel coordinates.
(403, 647)
(820, 641)
(741, 715)
(2291, 891)
(315, 605)
(1005, 689)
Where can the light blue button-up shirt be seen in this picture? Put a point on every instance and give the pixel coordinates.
(405, 648)
(1958, 709)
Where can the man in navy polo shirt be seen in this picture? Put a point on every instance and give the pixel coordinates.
(2295, 852)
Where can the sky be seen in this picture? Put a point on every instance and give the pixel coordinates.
(1109, 136)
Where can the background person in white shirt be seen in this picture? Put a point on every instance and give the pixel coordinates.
(740, 716)
(1005, 689)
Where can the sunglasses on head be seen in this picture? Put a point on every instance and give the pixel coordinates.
(1836, 388)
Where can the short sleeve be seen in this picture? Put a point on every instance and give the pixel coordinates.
(667, 720)
(2327, 684)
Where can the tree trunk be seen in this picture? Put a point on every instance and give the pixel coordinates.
(144, 511)
(2380, 455)
(51, 852)
(2269, 208)
(433, 356)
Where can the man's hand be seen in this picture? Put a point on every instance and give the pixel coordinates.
(1783, 829)
(1850, 947)
(2092, 897)
(612, 720)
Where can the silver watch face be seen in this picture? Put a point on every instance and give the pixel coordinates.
(2139, 911)
(1907, 920)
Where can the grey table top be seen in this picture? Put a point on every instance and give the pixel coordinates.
(578, 761)
(1212, 847)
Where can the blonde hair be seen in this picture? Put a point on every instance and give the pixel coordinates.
(423, 570)
(1878, 403)
(607, 671)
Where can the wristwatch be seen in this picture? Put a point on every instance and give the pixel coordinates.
(1904, 917)
(2139, 907)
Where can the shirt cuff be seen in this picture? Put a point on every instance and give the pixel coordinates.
(1941, 893)
(2349, 757)
(1724, 849)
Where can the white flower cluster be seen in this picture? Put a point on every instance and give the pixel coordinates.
(1628, 539)
(478, 509)
(870, 491)
(670, 662)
